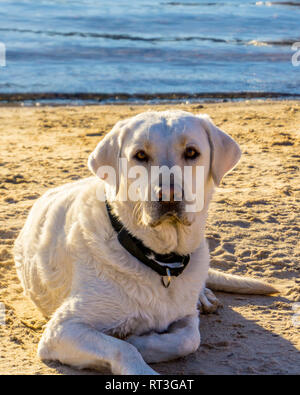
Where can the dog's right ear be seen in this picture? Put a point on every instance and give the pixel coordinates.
(225, 152)
(108, 152)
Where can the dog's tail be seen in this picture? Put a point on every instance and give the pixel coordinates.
(218, 281)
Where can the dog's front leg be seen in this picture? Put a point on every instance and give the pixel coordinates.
(79, 345)
(182, 338)
(208, 302)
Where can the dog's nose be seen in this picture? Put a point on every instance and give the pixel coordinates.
(169, 195)
(166, 196)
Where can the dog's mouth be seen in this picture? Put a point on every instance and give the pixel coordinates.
(171, 217)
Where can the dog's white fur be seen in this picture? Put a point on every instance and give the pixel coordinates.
(107, 309)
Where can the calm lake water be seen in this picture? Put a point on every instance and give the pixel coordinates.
(149, 46)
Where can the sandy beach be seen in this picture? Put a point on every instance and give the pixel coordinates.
(253, 229)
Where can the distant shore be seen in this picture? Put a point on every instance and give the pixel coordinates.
(81, 98)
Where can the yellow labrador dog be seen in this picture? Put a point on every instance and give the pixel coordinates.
(121, 279)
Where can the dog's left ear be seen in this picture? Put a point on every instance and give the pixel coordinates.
(107, 152)
(225, 152)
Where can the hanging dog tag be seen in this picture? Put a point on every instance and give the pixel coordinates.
(166, 280)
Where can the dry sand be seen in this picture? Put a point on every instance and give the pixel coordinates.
(252, 229)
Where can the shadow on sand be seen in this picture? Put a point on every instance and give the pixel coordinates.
(231, 344)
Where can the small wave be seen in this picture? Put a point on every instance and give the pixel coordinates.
(266, 3)
(12, 85)
(258, 3)
(178, 3)
(256, 43)
(284, 3)
(121, 37)
(283, 43)
(287, 3)
(117, 37)
(81, 34)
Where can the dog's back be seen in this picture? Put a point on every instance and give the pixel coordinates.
(41, 254)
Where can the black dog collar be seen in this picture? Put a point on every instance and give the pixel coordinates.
(164, 264)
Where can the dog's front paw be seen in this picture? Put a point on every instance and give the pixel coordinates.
(208, 302)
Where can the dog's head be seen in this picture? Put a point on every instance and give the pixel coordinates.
(159, 154)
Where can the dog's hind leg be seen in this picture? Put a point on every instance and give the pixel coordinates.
(182, 338)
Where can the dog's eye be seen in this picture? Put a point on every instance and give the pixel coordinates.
(191, 153)
(141, 156)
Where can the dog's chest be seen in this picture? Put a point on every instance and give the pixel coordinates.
(136, 302)
(156, 308)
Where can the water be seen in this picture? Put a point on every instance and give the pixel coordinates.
(149, 46)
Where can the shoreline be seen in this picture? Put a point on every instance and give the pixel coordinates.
(92, 98)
